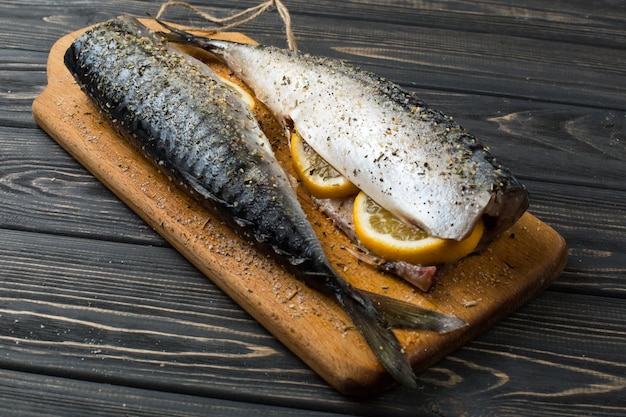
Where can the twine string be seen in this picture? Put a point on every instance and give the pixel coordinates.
(238, 19)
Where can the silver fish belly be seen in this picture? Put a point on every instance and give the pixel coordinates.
(178, 114)
(411, 159)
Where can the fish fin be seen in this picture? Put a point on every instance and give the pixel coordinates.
(201, 190)
(180, 36)
(400, 314)
(174, 37)
(379, 337)
(214, 202)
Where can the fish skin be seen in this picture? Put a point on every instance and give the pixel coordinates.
(175, 111)
(411, 159)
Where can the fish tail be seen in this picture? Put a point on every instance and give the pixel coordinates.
(400, 314)
(375, 315)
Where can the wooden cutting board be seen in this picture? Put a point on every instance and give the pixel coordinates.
(481, 289)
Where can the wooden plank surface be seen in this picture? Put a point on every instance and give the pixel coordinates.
(512, 271)
(27, 394)
(68, 242)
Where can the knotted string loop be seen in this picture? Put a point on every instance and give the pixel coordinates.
(238, 19)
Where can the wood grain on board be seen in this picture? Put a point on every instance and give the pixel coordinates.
(481, 289)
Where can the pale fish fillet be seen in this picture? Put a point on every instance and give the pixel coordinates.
(411, 159)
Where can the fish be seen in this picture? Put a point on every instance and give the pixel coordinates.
(176, 112)
(412, 159)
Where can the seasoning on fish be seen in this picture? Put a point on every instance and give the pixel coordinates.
(411, 159)
(198, 130)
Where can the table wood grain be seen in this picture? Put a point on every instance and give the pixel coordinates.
(100, 316)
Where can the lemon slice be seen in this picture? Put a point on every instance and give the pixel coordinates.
(317, 176)
(389, 237)
(245, 96)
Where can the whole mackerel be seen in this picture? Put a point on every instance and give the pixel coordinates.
(181, 116)
(411, 159)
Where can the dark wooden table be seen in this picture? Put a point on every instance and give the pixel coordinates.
(100, 316)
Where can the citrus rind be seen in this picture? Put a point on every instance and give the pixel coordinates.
(245, 96)
(388, 237)
(318, 177)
